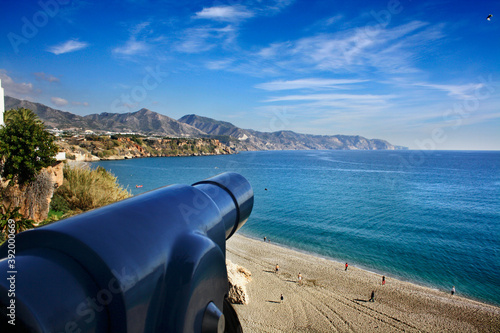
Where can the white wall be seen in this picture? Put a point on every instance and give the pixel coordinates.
(2, 105)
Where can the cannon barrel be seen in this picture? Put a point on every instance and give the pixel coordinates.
(151, 263)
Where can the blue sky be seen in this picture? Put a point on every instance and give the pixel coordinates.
(419, 74)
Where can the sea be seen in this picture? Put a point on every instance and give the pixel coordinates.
(428, 217)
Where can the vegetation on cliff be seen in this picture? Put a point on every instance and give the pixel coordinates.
(95, 147)
(84, 189)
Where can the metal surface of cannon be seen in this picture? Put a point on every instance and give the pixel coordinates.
(151, 263)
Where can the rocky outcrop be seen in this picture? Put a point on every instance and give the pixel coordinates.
(34, 198)
(238, 278)
(94, 148)
(56, 173)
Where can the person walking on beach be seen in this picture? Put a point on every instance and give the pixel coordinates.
(346, 265)
(281, 297)
(265, 238)
(372, 298)
(300, 279)
(453, 290)
(383, 280)
(277, 268)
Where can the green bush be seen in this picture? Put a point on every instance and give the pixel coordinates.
(136, 139)
(53, 216)
(107, 153)
(85, 189)
(58, 203)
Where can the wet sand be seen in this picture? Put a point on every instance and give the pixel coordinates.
(331, 299)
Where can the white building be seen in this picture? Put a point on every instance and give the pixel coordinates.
(2, 104)
(61, 156)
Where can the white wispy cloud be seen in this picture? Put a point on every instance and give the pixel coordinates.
(389, 50)
(201, 39)
(334, 19)
(71, 45)
(463, 91)
(219, 64)
(131, 47)
(13, 88)
(234, 13)
(310, 83)
(271, 7)
(332, 97)
(59, 101)
(139, 42)
(46, 77)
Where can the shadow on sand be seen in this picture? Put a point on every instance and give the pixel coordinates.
(361, 300)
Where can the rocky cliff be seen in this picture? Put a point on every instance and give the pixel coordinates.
(34, 198)
(95, 148)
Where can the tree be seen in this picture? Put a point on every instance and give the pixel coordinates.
(25, 146)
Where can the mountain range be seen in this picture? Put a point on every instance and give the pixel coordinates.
(148, 122)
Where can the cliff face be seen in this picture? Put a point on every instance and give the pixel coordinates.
(94, 148)
(33, 199)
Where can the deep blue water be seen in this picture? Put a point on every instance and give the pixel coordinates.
(428, 217)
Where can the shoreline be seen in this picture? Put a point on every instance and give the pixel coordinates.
(372, 270)
(332, 299)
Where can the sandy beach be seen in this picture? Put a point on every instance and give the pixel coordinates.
(332, 299)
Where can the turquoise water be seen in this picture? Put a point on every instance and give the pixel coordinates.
(428, 217)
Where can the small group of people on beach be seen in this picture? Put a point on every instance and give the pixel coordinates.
(372, 295)
(299, 281)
